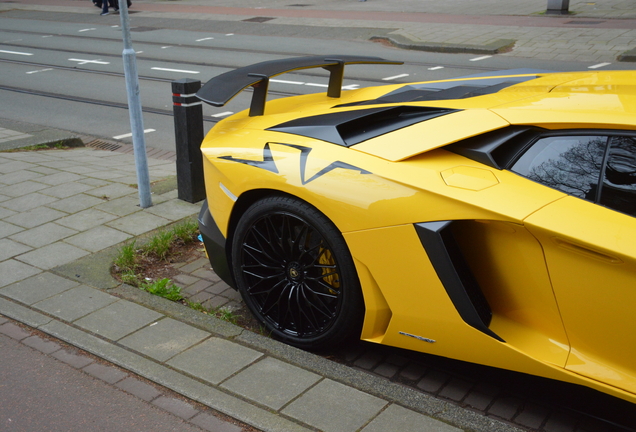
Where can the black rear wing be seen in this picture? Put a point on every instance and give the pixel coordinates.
(221, 89)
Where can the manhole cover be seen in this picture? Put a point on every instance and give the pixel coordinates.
(258, 19)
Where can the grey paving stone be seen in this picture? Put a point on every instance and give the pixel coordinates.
(532, 416)
(139, 388)
(164, 339)
(334, 407)
(37, 288)
(14, 331)
(23, 188)
(7, 229)
(214, 424)
(43, 234)
(28, 202)
(66, 190)
(75, 303)
(53, 255)
(118, 319)
(505, 407)
(138, 223)
(112, 191)
(175, 210)
(98, 238)
(86, 219)
(105, 373)
(59, 178)
(121, 206)
(78, 361)
(456, 389)
(9, 249)
(35, 217)
(396, 418)
(43, 345)
(215, 359)
(413, 371)
(271, 382)
(386, 370)
(177, 407)
(13, 271)
(76, 203)
(3, 320)
(433, 381)
(368, 360)
(18, 176)
(5, 213)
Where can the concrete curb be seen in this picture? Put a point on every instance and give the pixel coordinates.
(627, 56)
(398, 41)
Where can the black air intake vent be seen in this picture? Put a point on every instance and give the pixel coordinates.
(353, 127)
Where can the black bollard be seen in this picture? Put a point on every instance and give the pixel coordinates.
(188, 130)
(558, 7)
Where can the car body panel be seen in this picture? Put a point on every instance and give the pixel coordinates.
(537, 255)
(600, 294)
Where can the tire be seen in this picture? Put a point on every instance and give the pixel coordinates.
(296, 275)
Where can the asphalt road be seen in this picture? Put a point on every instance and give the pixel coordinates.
(69, 75)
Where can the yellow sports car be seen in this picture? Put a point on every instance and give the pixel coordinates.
(488, 219)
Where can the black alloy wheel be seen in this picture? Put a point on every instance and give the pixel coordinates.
(296, 274)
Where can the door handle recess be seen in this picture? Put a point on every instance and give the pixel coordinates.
(573, 247)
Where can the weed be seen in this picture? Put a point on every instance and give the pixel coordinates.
(164, 288)
(126, 258)
(185, 231)
(160, 244)
(225, 314)
(130, 277)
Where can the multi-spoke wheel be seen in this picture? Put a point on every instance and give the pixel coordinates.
(295, 273)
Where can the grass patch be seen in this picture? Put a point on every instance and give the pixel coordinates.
(163, 288)
(59, 145)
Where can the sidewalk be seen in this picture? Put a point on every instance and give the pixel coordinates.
(593, 32)
(62, 214)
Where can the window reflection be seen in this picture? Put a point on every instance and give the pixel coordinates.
(570, 164)
(619, 182)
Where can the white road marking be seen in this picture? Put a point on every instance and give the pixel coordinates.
(175, 70)
(204, 39)
(286, 82)
(230, 34)
(395, 77)
(223, 114)
(85, 30)
(139, 52)
(600, 65)
(16, 53)
(164, 47)
(436, 68)
(481, 58)
(47, 36)
(128, 135)
(83, 61)
(316, 85)
(351, 87)
(41, 70)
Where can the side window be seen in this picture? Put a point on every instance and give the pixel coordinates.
(618, 190)
(571, 164)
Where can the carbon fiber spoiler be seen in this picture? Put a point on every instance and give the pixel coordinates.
(221, 89)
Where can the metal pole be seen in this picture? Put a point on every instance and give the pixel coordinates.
(134, 109)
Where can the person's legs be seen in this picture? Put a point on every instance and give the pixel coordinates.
(104, 7)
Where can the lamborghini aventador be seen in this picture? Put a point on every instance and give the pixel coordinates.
(488, 219)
